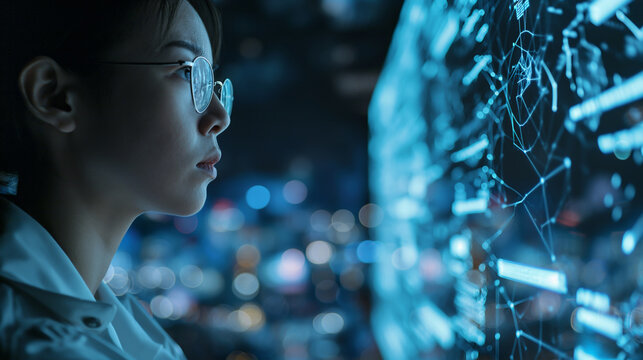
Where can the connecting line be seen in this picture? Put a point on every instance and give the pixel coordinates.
(551, 236)
(542, 181)
(638, 33)
(511, 306)
(487, 243)
(540, 233)
(554, 89)
(514, 303)
(522, 334)
(568, 58)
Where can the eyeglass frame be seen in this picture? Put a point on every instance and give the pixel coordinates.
(191, 65)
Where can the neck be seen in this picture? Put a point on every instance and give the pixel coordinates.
(85, 223)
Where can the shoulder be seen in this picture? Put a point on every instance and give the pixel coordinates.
(150, 325)
(28, 331)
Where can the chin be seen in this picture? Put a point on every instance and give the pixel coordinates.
(187, 205)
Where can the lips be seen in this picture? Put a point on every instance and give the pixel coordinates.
(210, 160)
(207, 165)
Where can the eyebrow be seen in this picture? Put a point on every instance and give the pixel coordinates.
(196, 50)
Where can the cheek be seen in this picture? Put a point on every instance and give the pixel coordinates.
(143, 136)
(144, 115)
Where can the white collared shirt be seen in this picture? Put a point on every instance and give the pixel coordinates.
(48, 312)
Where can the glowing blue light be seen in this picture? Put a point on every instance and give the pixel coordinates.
(609, 326)
(258, 197)
(521, 7)
(545, 279)
(471, 22)
(628, 91)
(601, 10)
(596, 300)
(638, 33)
(443, 41)
(459, 246)
(471, 150)
(631, 237)
(482, 32)
(468, 330)
(553, 10)
(622, 141)
(367, 251)
(437, 323)
(554, 89)
(481, 62)
(470, 206)
(629, 242)
(581, 353)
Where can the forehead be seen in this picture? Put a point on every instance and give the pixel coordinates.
(187, 27)
(186, 34)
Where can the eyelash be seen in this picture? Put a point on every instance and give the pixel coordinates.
(187, 70)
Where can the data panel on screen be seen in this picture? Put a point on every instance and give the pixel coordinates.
(507, 151)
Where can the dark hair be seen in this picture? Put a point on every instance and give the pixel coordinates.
(68, 31)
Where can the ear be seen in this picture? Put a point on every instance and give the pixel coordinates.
(48, 94)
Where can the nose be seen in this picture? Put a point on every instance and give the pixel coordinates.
(214, 119)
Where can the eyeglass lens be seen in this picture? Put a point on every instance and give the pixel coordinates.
(202, 84)
(203, 87)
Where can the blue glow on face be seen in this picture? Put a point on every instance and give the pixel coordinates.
(258, 197)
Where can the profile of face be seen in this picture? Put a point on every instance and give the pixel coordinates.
(135, 139)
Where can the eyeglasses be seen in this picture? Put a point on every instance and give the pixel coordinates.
(202, 82)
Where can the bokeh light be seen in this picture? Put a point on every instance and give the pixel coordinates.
(191, 276)
(187, 224)
(320, 220)
(120, 281)
(367, 251)
(328, 323)
(292, 265)
(343, 220)
(161, 306)
(371, 215)
(245, 285)
(295, 192)
(213, 284)
(258, 197)
(319, 252)
(149, 276)
(248, 256)
(226, 219)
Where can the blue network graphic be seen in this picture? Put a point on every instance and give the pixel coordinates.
(507, 153)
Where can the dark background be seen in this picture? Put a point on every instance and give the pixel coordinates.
(303, 73)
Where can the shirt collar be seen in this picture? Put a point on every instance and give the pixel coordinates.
(30, 255)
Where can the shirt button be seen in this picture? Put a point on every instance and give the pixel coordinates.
(91, 322)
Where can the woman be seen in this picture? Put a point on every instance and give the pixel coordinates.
(109, 110)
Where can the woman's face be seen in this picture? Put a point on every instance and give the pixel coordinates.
(139, 138)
